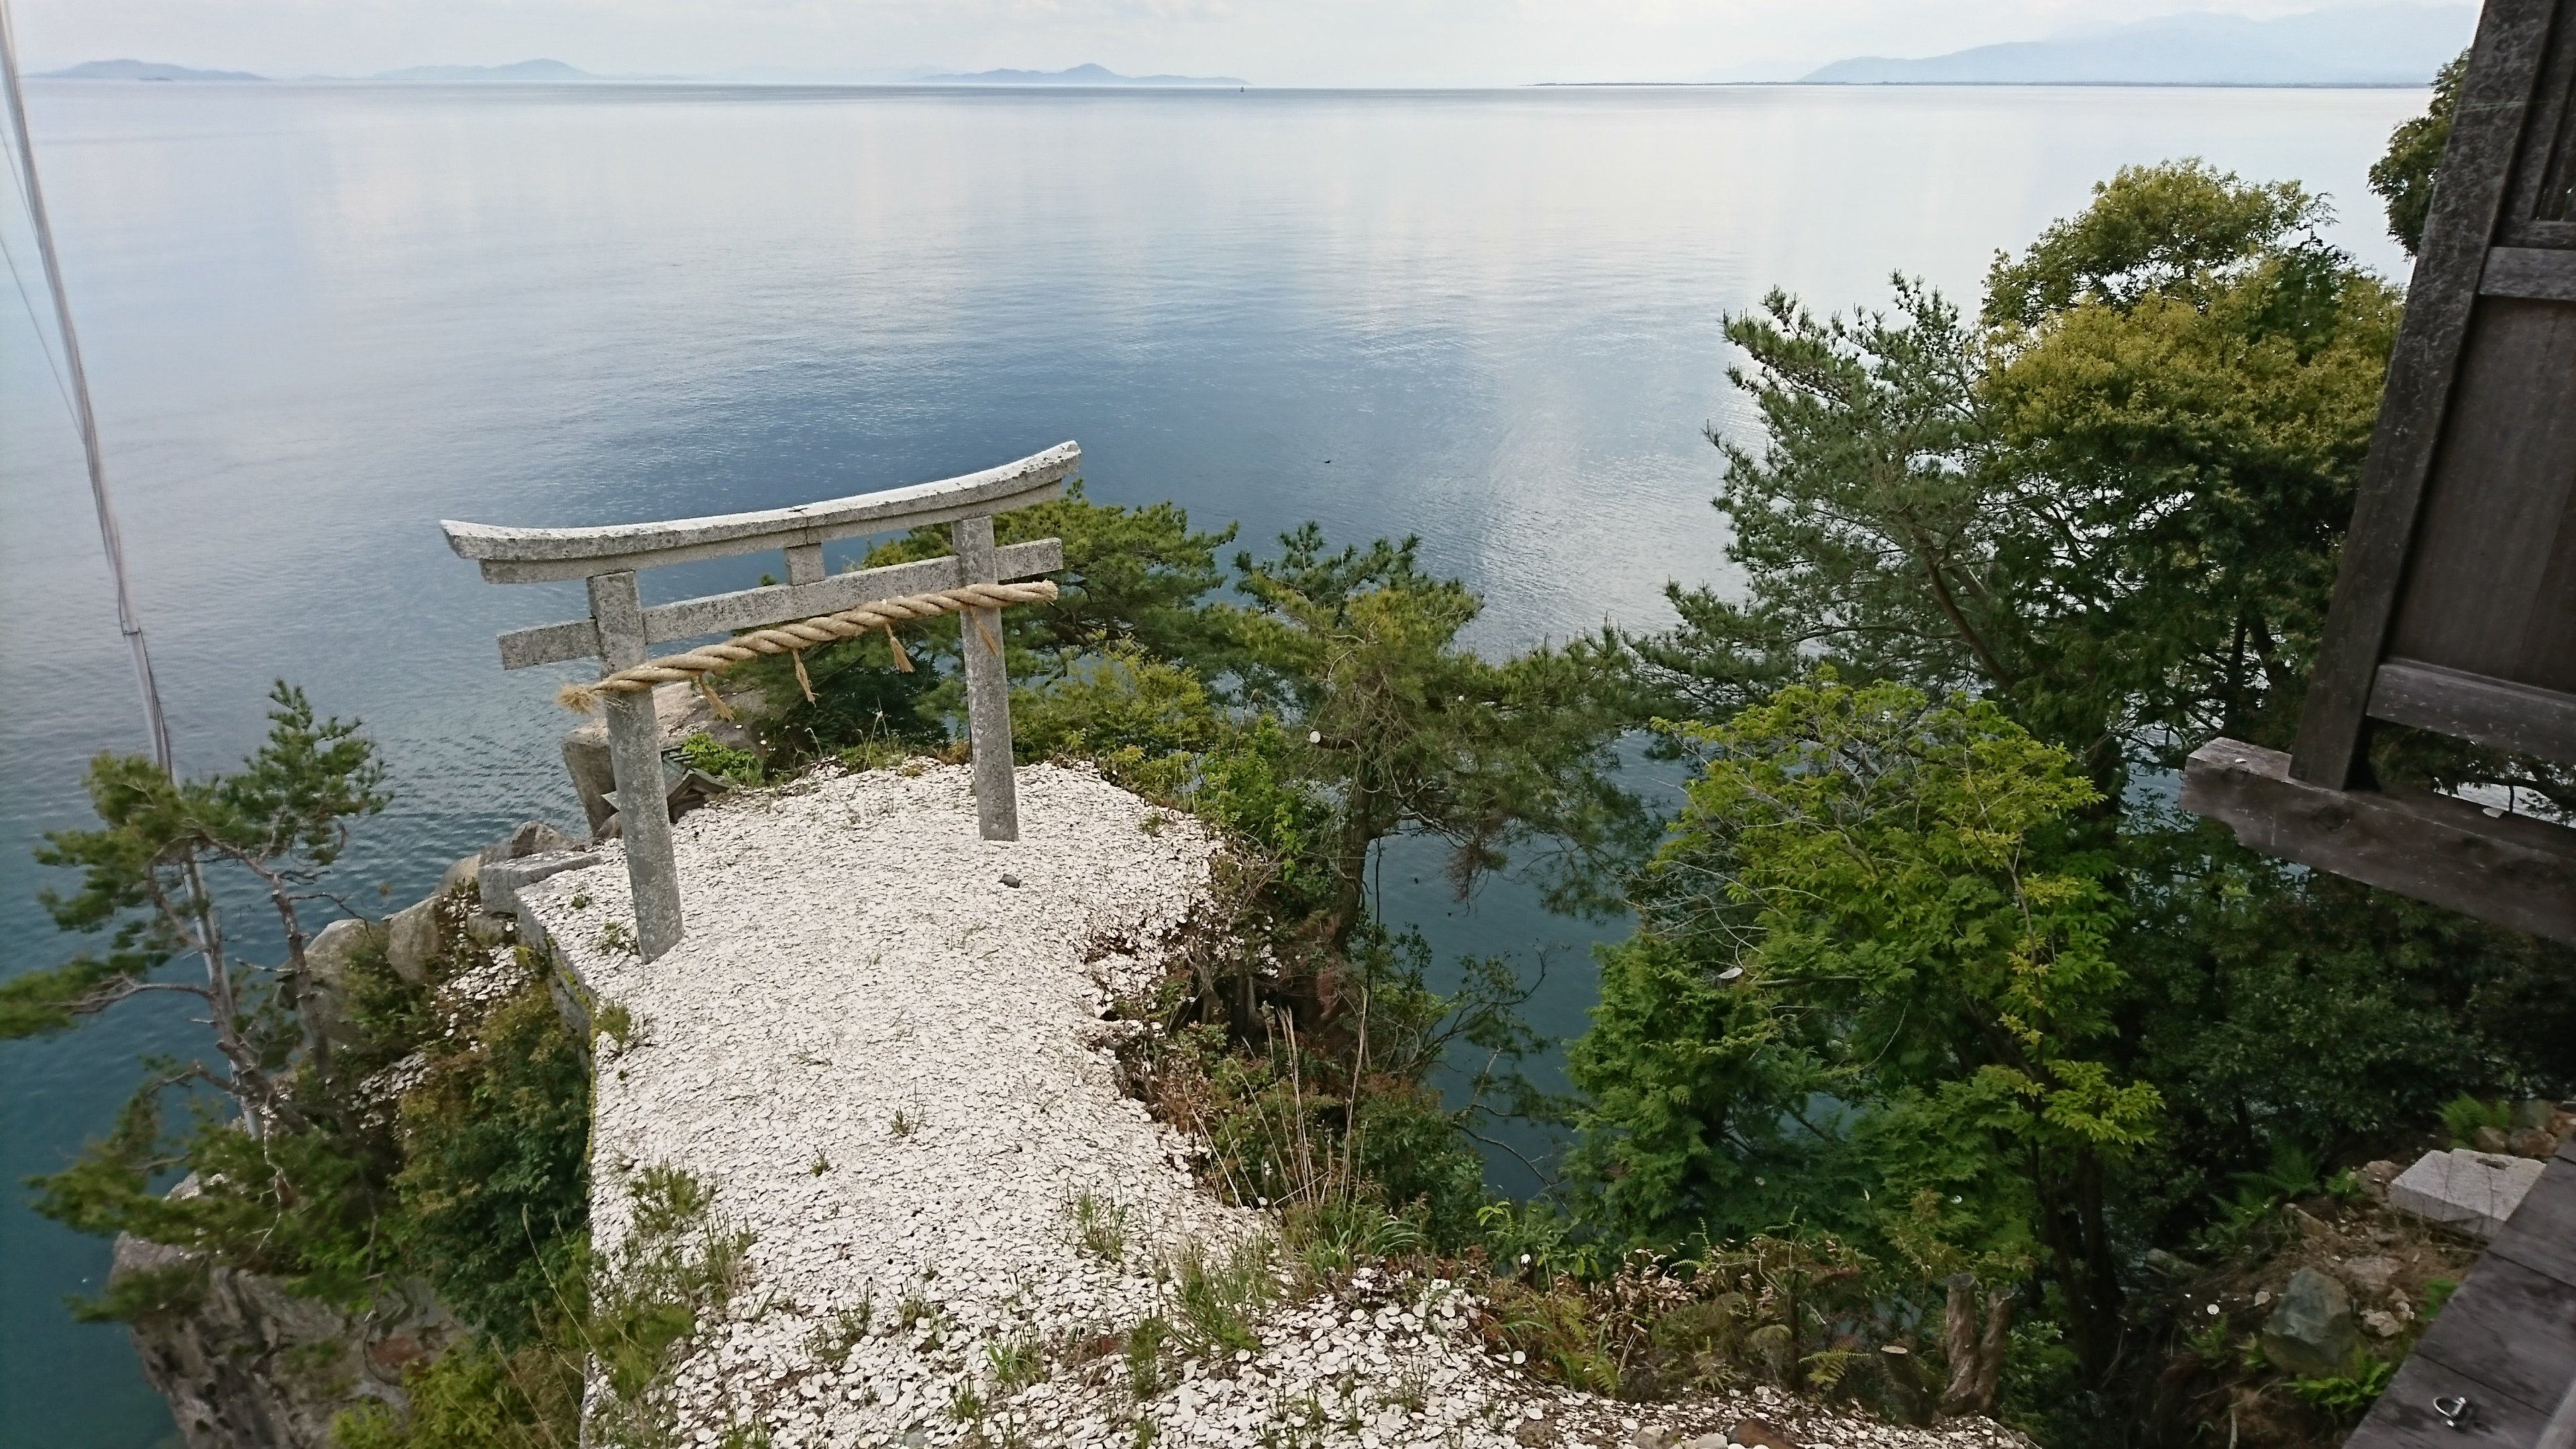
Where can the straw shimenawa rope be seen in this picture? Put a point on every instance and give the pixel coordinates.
(804, 634)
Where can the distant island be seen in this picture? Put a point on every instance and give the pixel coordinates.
(1080, 75)
(144, 70)
(2360, 45)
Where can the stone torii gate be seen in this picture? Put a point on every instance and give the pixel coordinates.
(620, 628)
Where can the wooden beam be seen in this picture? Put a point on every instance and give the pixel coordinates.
(2498, 713)
(2509, 869)
(2538, 273)
(534, 555)
(771, 604)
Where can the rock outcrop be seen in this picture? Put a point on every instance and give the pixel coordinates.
(2312, 1330)
(680, 711)
(247, 1365)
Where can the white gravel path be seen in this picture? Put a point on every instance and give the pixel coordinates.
(882, 1042)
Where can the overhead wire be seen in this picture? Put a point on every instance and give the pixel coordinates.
(44, 342)
(111, 538)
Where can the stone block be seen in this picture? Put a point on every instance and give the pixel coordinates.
(2369, 1275)
(504, 879)
(326, 975)
(459, 875)
(2472, 1191)
(2375, 1176)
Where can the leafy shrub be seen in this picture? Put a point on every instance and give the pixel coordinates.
(2348, 1396)
(619, 1315)
(704, 751)
(2463, 1115)
(495, 1182)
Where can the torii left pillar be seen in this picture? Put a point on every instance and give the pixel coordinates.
(635, 755)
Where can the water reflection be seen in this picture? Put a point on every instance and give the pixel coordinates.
(320, 318)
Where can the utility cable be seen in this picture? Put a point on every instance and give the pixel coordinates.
(44, 344)
(127, 621)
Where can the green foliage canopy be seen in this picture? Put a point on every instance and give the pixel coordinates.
(282, 819)
(1859, 981)
(2404, 176)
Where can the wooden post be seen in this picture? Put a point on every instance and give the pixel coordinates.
(635, 758)
(988, 685)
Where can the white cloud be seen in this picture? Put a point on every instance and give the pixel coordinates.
(1272, 42)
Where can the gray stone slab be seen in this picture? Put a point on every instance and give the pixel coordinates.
(504, 879)
(528, 555)
(2472, 1191)
(771, 604)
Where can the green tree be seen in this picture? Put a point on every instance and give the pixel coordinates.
(1412, 731)
(2108, 506)
(2404, 176)
(282, 820)
(1865, 975)
(2113, 506)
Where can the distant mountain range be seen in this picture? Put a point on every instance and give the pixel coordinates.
(2358, 45)
(557, 72)
(145, 70)
(524, 70)
(1080, 75)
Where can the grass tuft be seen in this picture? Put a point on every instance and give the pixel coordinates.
(1099, 1226)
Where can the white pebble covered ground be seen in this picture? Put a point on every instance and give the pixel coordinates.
(882, 1042)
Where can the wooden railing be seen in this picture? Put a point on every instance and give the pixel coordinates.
(620, 630)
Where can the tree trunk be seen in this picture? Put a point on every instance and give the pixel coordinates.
(1360, 829)
(1976, 1358)
(1991, 1347)
(1959, 1341)
(2078, 1241)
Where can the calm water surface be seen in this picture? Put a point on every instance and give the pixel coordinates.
(321, 318)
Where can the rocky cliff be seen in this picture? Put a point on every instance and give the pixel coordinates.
(247, 1365)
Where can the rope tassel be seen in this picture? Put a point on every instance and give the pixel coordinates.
(793, 639)
(714, 700)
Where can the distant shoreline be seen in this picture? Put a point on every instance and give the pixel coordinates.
(2023, 85)
(677, 82)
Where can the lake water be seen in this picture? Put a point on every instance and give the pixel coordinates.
(320, 318)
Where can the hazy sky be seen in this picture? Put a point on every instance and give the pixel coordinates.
(1271, 42)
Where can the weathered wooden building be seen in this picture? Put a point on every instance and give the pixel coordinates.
(2455, 610)
(2455, 613)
